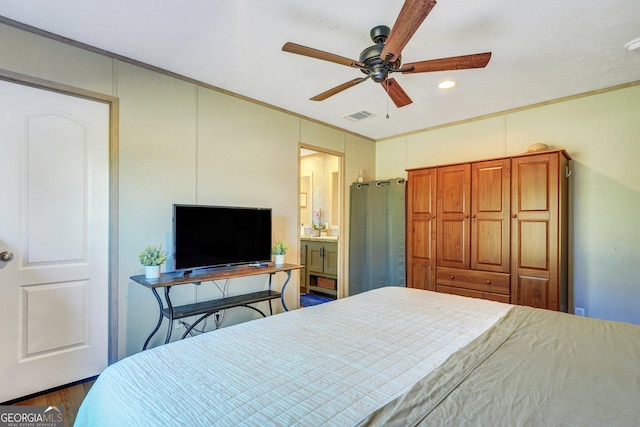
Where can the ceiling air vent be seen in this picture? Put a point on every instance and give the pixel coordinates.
(359, 115)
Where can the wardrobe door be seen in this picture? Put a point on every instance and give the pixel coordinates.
(453, 219)
(490, 221)
(421, 231)
(535, 227)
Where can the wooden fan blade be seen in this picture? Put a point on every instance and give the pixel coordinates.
(338, 89)
(411, 15)
(396, 93)
(319, 54)
(478, 60)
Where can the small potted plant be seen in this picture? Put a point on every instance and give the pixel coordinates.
(318, 229)
(279, 249)
(152, 257)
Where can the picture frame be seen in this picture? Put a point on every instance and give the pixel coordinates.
(303, 200)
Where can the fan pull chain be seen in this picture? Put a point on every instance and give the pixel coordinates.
(387, 83)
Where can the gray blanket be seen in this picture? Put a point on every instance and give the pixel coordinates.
(533, 368)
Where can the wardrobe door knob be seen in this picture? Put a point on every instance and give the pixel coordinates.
(514, 216)
(452, 277)
(488, 282)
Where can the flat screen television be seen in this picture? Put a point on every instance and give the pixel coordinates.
(216, 236)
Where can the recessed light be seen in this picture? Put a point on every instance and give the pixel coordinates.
(633, 44)
(447, 84)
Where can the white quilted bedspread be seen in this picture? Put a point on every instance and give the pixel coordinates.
(330, 364)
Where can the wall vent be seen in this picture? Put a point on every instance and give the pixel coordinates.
(358, 115)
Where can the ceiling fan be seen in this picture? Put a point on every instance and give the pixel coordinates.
(384, 57)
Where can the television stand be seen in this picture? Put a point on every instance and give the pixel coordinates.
(207, 308)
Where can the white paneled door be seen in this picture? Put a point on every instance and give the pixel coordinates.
(54, 225)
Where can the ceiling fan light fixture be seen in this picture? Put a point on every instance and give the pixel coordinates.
(446, 84)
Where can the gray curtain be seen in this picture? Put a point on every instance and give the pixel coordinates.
(377, 235)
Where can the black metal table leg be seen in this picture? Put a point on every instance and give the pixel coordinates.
(270, 306)
(170, 308)
(155, 294)
(284, 286)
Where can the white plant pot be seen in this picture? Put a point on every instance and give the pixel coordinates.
(152, 271)
(279, 260)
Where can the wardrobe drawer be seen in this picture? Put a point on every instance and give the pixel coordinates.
(472, 293)
(483, 281)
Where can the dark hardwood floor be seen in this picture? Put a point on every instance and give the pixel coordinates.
(69, 398)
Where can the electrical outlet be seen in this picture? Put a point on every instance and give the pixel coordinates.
(579, 311)
(178, 325)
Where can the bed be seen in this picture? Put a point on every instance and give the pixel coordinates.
(389, 357)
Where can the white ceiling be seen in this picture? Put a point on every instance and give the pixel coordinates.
(542, 50)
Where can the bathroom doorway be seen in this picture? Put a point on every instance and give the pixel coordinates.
(320, 224)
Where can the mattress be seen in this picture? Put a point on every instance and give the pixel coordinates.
(333, 364)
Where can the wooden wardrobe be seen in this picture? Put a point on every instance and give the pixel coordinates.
(494, 229)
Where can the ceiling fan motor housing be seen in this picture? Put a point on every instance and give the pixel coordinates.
(374, 65)
(379, 34)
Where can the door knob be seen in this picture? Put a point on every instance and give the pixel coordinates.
(6, 256)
